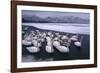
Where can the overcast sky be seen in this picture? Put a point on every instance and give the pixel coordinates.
(44, 14)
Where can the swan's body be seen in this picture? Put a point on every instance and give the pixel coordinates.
(33, 49)
(49, 45)
(63, 49)
(49, 49)
(25, 42)
(74, 38)
(28, 38)
(58, 46)
(49, 33)
(78, 44)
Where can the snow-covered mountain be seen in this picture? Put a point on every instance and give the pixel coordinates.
(63, 19)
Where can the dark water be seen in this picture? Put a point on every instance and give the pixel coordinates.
(75, 53)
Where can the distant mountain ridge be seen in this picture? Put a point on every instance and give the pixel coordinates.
(63, 19)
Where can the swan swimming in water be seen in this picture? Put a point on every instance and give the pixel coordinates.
(78, 43)
(49, 33)
(56, 42)
(63, 49)
(49, 49)
(49, 46)
(74, 38)
(33, 49)
(34, 41)
(25, 42)
(59, 47)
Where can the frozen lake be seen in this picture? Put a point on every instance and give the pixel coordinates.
(62, 27)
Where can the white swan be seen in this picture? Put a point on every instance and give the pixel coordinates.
(49, 33)
(28, 38)
(63, 49)
(64, 37)
(35, 42)
(25, 42)
(74, 38)
(44, 35)
(37, 30)
(49, 45)
(42, 40)
(69, 40)
(48, 38)
(49, 49)
(33, 49)
(56, 34)
(49, 41)
(78, 43)
(39, 44)
(56, 43)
